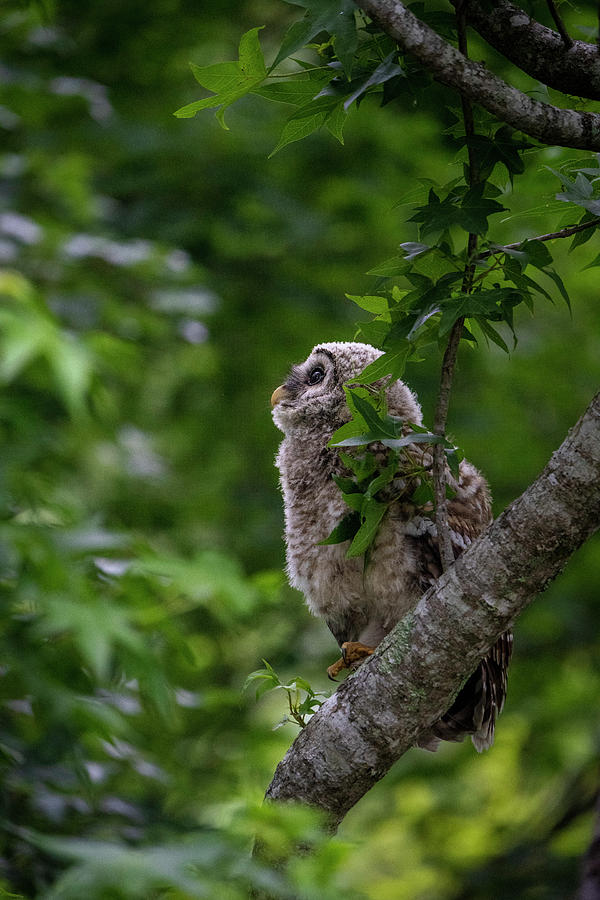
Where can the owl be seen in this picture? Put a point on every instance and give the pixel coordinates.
(362, 603)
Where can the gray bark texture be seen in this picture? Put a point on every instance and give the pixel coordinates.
(378, 712)
(539, 51)
(563, 127)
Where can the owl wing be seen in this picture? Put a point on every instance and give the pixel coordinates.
(480, 700)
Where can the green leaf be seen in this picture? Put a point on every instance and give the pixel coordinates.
(304, 121)
(355, 501)
(336, 17)
(373, 303)
(454, 457)
(350, 430)
(580, 191)
(251, 60)
(395, 265)
(582, 237)
(345, 531)
(374, 332)
(539, 256)
(298, 91)
(384, 71)
(417, 438)
(230, 80)
(537, 253)
(385, 476)
(335, 122)
(476, 208)
(423, 495)
(219, 78)
(346, 485)
(372, 514)
(593, 264)
(391, 363)
(437, 215)
(359, 440)
(491, 333)
(381, 427)
(362, 466)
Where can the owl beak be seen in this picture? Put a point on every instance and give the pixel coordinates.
(278, 395)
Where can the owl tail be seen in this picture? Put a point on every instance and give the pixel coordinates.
(478, 703)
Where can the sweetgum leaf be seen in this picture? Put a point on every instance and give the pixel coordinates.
(230, 80)
(336, 17)
(391, 363)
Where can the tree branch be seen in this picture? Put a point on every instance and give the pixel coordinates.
(411, 679)
(439, 457)
(537, 50)
(569, 231)
(451, 351)
(564, 127)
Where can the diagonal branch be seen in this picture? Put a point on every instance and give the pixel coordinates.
(410, 681)
(537, 50)
(566, 232)
(564, 127)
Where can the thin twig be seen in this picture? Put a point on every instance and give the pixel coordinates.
(563, 233)
(451, 352)
(439, 456)
(566, 37)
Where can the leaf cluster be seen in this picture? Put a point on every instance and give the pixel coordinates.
(351, 63)
(398, 467)
(303, 700)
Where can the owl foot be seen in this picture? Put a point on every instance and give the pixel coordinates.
(353, 653)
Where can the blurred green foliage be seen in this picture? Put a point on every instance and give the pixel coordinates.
(158, 277)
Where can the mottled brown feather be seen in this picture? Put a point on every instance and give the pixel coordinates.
(404, 560)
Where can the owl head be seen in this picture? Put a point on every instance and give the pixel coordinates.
(313, 393)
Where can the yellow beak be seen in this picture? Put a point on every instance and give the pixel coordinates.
(278, 395)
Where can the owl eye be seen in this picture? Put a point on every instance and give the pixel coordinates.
(316, 375)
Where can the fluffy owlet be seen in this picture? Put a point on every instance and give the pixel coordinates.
(361, 605)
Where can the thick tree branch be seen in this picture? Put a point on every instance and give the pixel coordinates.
(537, 50)
(410, 681)
(564, 127)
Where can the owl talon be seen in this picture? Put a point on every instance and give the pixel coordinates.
(353, 652)
(335, 669)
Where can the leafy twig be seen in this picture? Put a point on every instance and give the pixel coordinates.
(563, 233)
(451, 352)
(301, 708)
